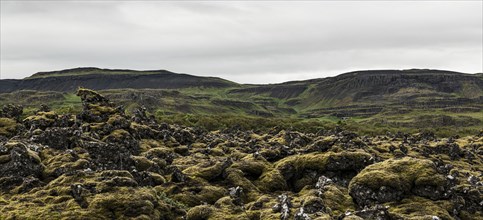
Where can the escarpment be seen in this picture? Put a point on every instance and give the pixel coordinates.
(106, 164)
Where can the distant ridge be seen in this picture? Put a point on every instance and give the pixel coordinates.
(362, 94)
(374, 90)
(93, 70)
(95, 78)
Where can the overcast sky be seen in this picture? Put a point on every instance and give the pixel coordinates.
(246, 42)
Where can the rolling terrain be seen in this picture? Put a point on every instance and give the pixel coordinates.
(102, 163)
(385, 99)
(383, 144)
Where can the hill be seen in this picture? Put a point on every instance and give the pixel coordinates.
(415, 98)
(101, 79)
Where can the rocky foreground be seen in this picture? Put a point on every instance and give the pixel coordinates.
(103, 164)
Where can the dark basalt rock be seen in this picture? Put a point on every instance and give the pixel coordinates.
(11, 111)
(283, 206)
(58, 137)
(79, 192)
(377, 212)
(18, 162)
(106, 156)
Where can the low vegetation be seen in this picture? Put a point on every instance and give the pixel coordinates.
(106, 162)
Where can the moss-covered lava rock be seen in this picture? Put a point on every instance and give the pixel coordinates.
(105, 164)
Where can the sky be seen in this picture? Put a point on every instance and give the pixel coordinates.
(246, 42)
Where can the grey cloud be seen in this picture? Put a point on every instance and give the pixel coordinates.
(256, 42)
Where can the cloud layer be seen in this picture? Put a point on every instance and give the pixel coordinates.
(248, 42)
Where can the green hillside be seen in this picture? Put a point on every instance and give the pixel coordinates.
(380, 100)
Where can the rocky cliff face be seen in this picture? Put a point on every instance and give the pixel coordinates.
(374, 85)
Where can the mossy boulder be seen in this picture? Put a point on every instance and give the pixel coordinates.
(394, 179)
(91, 96)
(58, 162)
(289, 172)
(97, 108)
(198, 195)
(128, 203)
(41, 120)
(337, 200)
(11, 111)
(201, 212)
(208, 171)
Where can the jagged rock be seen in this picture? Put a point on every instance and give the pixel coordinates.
(11, 111)
(322, 182)
(473, 180)
(301, 215)
(79, 192)
(41, 120)
(148, 178)
(90, 96)
(108, 156)
(296, 139)
(29, 183)
(312, 204)
(44, 108)
(283, 206)
(323, 144)
(183, 136)
(236, 195)
(177, 176)
(17, 160)
(377, 212)
(140, 116)
(57, 137)
(96, 108)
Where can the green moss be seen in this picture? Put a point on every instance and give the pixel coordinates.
(42, 118)
(251, 166)
(201, 212)
(142, 163)
(55, 200)
(325, 161)
(206, 172)
(148, 144)
(273, 179)
(118, 134)
(98, 109)
(235, 177)
(401, 174)
(395, 179)
(419, 208)
(7, 126)
(57, 162)
(337, 199)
